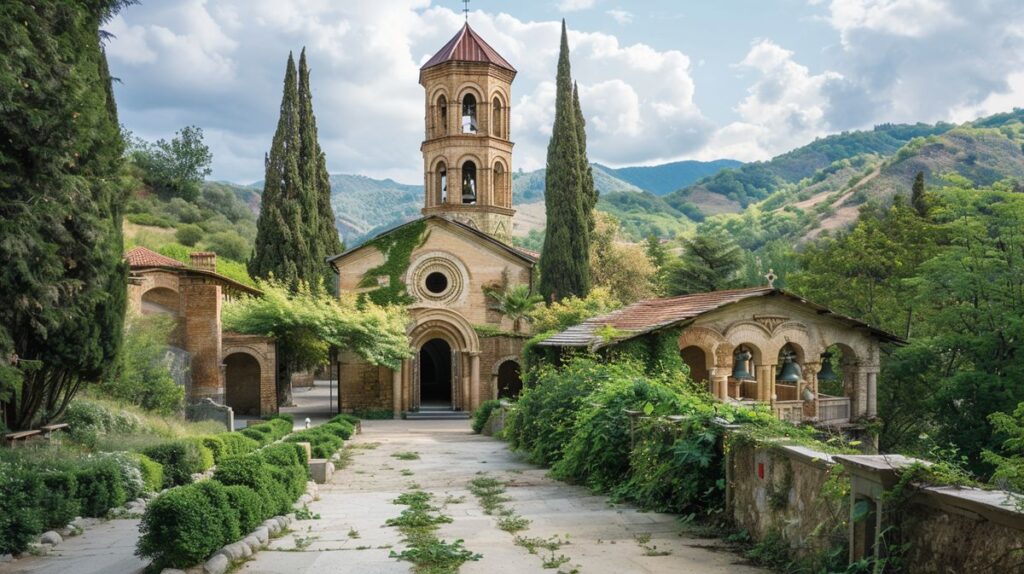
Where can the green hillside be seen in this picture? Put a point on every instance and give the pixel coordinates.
(666, 178)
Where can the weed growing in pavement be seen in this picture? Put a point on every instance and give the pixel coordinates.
(427, 553)
(406, 455)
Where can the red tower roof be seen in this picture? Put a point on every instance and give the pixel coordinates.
(468, 46)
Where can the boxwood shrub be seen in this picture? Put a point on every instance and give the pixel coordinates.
(215, 444)
(20, 521)
(100, 486)
(58, 500)
(180, 528)
(248, 504)
(152, 473)
(235, 444)
(180, 459)
(483, 413)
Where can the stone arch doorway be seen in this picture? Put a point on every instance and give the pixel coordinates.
(436, 374)
(510, 381)
(160, 300)
(696, 359)
(242, 376)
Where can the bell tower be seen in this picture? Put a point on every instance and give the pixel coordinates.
(467, 153)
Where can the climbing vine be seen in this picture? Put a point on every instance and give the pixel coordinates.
(397, 246)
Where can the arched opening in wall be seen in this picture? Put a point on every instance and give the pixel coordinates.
(743, 378)
(435, 373)
(835, 361)
(160, 300)
(469, 114)
(441, 183)
(789, 372)
(442, 112)
(496, 123)
(242, 383)
(469, 182)
(696, 359)
(510, 383)
(499, 185)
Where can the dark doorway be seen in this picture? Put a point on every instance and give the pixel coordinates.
(436, 373)
(510, 384)
(242, 383)
(695, 359)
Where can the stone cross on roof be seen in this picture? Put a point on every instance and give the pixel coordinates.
(466, 9)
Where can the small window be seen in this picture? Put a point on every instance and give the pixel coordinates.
(436, 282)
(442, 108)
(469, 182)
(496, 130)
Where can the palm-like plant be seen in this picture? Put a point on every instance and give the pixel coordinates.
(515, 302)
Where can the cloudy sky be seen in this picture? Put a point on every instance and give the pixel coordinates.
(659, 80)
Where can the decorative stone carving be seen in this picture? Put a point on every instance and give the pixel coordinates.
(770, 322)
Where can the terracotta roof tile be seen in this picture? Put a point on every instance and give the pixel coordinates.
(654, 314)
(468, 46)
(142, 257)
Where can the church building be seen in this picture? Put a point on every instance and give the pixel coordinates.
(441, 264)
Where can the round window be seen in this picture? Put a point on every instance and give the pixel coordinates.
(436, 282)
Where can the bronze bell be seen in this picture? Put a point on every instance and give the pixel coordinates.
(739, 365)
(790, 371)
(827, 374)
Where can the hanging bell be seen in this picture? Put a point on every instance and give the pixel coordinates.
(790, 371)
(827, 374)
(739, 365)
(468, 191)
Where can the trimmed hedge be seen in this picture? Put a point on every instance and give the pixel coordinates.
(236, 444)
(180, 459)
(325, 439)
(100, 486)
(20, 521)
(244, 491)
(152, 473)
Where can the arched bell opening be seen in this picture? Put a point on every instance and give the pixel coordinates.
(743, 378)
(510, 382)
(469, 188)
(435, 371)
(441, 183)
(469, 123)
(442, 112)
(242, 383)
(789, 372)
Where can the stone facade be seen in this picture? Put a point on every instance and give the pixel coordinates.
(467, 162)
(193, 295)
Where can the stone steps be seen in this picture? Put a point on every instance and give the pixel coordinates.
(432, 413)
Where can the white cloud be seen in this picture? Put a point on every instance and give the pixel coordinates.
(785, 107)
(575, 5)
(911, 18)
(621, 16)
(996, 102)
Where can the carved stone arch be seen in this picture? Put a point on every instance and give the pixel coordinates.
(502, 360)
(456, 273)
(752, 335)
(439, 322)
(501, 95)
(480, 164)
(247, 350)
(470, 88)
(797, 335)
(437, 93)
(703, 338)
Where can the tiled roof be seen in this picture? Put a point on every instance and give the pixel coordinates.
(468, 46)
(654, 314)
(529, 253)
(142, 257)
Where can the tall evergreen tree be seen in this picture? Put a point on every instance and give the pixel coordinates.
(708, 262)
(324, 235)
(565, 257)
(282, 247)
(918, 195)
(587, 190)
(63, 281)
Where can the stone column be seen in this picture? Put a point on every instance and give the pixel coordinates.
(474, 381)
(494, 387)
(396, 391)
(201, 330)
(810, 371)
(720, 382)
(872, 394)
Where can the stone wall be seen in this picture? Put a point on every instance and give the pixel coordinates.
(804, 497)
(363, 385)
(493, 352)
(783, 490)
(263, 350)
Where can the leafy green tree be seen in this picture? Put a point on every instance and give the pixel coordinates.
(188, 234)
(307, 323)
(656, 252)
(144, 378)
(565, 258)
(516, 302)
(622, 268)
(63, 282)
(174, 168)
(228, 244)
(918, 195)
(570, 311)
(708, 262)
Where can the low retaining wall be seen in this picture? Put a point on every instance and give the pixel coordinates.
(805, 499)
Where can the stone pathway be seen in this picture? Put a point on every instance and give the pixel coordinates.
(103, 548)
(350, 535)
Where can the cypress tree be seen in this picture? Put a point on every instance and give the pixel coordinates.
(323, 233)
(588, 191)
(565, 257)
(918, 195)
(63, 282)
(282, 249)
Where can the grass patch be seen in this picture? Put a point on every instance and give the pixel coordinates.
(406, 455)
(427, 553)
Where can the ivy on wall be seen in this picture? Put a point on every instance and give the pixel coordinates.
(397, 247)
(658, 351)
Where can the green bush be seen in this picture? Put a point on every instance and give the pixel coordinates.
(180, 459)
(346, 418)
(291, 459)
(217, 495)
(236, 444)
(20, 519)
(89, 417)
(189, 234)
(268, 432)
(206, 458)
(180, 528)
(152, 473)
(483, 413)
(215, 445)
(248, 504)
(149, 219)
(100, 486)
(58, 501)
(284, 417)
(144, 379)
(325, 439)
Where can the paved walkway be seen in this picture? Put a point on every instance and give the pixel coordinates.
(350, 535)
(104, 548)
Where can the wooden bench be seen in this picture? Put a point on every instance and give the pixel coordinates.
(13, 437)
(50, 429)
